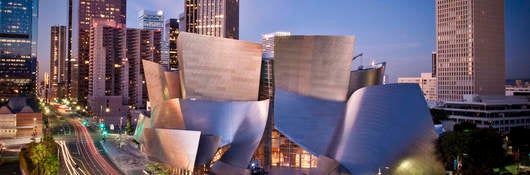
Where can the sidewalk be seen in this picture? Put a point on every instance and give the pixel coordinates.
(127, 158)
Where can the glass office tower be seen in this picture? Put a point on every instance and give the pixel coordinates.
(18, 48)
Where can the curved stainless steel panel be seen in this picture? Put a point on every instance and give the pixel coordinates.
(160, 145)
(366, 77)
(380, 130)
(314, 66)
(240, 124)
(167, 115)
(173, 84)
(207, 147)
(307, 121)
(155, 81)
(214, 68)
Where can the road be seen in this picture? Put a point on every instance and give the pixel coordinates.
(79, 155)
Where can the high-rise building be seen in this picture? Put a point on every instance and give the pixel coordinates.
(433, 58)
(141, 44)
(218, 18)
(83, 14)
(153, 20)
(426, 82)
(470, 48)
(268, 43)
(107, 50)
(58, 56)
(171, 33)
(18, 48)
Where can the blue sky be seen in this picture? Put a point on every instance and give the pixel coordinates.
(402, 33)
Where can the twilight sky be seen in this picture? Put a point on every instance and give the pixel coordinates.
(402, 34)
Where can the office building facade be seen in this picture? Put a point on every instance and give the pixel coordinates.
(267, 40)
(218, 18)
(83, 15)
(106, 93)
(501, 113)
(152, 20)
(18, 48)
(58, 60)
(427, 84)
(470, 48)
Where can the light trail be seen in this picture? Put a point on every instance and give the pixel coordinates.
(68, 159)
(89, 152)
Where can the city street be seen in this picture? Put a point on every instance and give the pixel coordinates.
(79, 153)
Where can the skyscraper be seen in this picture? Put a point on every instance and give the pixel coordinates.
(141, 44)
(433, 57)
(218, 18)
(18, 48)
(470, 48)
(106, 76)
(171, 33)
(152, 20)
(58, 55)
(83, 14)
(268, 43)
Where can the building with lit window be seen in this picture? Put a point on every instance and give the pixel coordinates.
(152, 20)
(18, 120)
(82, 15)
(218, 18)
(470, 50)
(171, 32)
(107, 54)
(58, 57)
(427, 84)
(18, 48)
(142, 44)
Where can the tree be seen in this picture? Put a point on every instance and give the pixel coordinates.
(480, 150)
(38, 156)
(157, 169)
(128, 127)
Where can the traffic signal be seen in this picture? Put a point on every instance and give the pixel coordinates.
(105, 133)
(85, 123)
(102, 125)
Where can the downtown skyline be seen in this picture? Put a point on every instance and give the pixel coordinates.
(395, 34)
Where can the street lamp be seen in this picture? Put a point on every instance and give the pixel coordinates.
(121, 125)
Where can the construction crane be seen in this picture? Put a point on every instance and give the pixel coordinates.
(355, 57)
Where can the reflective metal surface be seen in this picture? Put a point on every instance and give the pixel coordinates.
(173, 84)
(155, 81)
(167, 115)
(240, 124)
(308, 121)
(314, 66)
(208, 145)
(177, 148)
(214, 68)
(366, 77)
(223, 108)
(384, 126)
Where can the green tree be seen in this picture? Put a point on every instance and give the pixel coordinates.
(38, 157)
(128, 127)
(480, 150)
(157, 169)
